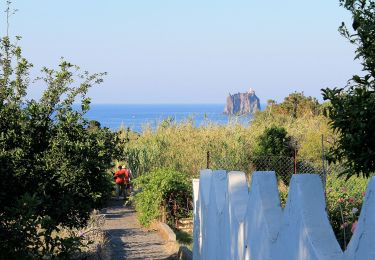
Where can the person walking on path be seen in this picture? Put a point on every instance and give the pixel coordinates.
(119, 177)
(128, 177)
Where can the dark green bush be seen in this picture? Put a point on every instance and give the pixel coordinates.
(351, 107)
(275, 141)
(53, 163)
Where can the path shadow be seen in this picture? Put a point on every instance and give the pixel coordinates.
(131, 242)
(117, 204)
(120, 249)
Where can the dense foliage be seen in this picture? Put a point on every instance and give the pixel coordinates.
(275, 151)
(275, 141)
(52, 162)
(296, 105)
(352, 108)
(163, 189)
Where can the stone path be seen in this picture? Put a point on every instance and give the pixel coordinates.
(127, 239)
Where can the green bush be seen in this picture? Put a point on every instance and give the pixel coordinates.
(275, 141)
(53, 163)
(163, 188)
(26, 234)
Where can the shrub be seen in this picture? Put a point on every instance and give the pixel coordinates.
(53, 163)
(275, 141)
(26, 234)
(344, 203)
(163, 187)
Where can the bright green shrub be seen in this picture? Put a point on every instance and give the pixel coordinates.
(162, 187)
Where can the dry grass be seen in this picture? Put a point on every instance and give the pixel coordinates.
(94, 240)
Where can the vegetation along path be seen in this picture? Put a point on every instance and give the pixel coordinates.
(127, 239)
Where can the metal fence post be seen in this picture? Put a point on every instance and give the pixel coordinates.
(324, 177)
(295, 162)
(208, 159)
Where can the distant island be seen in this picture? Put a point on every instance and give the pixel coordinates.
(242, 103)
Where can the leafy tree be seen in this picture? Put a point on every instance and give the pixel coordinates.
(351, 110)
(296, 105)
(53, 163)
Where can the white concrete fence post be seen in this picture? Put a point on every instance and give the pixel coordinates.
(232, 222)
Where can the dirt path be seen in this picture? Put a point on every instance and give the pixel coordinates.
(127, 239)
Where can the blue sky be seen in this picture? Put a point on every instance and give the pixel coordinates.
(195, 51)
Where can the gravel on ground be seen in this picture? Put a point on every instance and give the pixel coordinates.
(127, 239)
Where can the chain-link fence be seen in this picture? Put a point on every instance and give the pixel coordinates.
(285, 167)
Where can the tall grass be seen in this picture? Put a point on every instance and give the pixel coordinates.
(184, 147)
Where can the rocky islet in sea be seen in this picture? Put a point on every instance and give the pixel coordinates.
(242, 103)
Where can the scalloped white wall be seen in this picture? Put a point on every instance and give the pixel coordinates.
(233, 222)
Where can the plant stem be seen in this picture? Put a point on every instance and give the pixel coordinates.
(343, 225)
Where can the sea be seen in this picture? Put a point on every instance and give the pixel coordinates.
(136, 117)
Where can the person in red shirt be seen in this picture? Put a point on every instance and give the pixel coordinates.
(120, 176)
(128, 175)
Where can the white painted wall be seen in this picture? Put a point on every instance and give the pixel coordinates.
(216, 236)
(263, 218)
(305, 231)
(232, 223)
(362, 243)
(237, 204)
(196, 223)
(203, 214)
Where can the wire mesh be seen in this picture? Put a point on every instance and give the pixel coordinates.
(283, 166)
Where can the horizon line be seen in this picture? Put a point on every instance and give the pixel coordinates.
(106, 103)
(95, 103)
